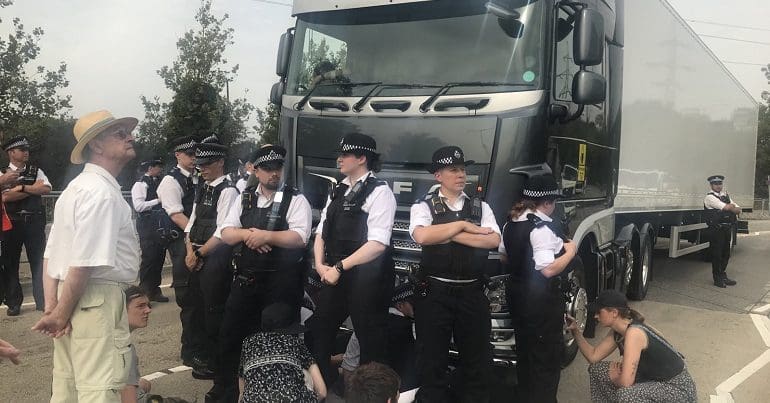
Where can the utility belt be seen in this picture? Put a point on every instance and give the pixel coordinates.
(149, 213)
(450, 288)
(25, 216)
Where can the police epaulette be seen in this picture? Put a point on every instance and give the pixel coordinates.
(536, 221)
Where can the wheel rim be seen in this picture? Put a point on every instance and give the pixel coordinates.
(646, 264)
(578, 309)
(629, 267)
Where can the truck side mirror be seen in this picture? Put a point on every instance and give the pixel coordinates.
(284, 50)
(588, 88)
(588, 44)
(276, 93)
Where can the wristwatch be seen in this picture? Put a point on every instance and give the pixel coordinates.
(198, 254)
(338, 267)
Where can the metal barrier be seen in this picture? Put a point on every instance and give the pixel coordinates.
(49, 202)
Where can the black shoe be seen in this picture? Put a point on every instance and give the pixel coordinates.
(14, 310)
(728, 281)
(720, 283)
(158, 297)
(200, 369)
(215, 394)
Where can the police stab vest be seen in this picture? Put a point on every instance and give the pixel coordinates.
(714, 217)
(453, 260)
(31, 203)
(345, 228)
(152, 183)
(271, 218)
(206, 202)
(188, 190)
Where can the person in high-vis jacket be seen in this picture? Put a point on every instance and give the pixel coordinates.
(269, 228)
(456, 232)
(537, 256)
(353, 256)
(720, 214)
(208, 258)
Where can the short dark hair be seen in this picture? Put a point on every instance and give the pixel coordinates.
(373, 162)
(373, 383)
(134, 292)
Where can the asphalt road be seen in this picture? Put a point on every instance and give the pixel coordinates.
(712, 327)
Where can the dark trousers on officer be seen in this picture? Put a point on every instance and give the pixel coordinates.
(211, 285)
(364, 294)
(719, 236)
(188, 300)
(249, 295)
(538, 327)
(453, 311)
(28, 231)
(153, 251)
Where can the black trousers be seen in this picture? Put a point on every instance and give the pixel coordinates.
(28, 231)
(153, 251)
(538, 326)
(188, 300)
(364, 294)
(249, 295)
(211, 285)
(719, 236)
(460, 312)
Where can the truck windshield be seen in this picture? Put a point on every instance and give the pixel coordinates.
(428, 44)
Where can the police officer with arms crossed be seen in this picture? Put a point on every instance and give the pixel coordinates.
(149, 216)
(353, 256)
(208, 258)
(456, 233)
(721, 214)
(176, 192)
(24, 206)
(269, 228)
(536, 255)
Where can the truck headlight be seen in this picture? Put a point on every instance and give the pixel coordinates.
(496, 294)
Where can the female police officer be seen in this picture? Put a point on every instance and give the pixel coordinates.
(537, 254)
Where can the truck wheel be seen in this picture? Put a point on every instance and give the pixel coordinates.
(577, 307)
(640, 277)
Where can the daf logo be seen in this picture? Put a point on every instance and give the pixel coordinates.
(402, 187)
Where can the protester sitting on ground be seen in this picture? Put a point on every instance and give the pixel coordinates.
(10, 352)
(138, 309)
(373, 383)
(650, 368)
(276, 366)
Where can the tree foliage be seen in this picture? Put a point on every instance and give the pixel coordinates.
(198, 77)
(267, 124)
(762, 176)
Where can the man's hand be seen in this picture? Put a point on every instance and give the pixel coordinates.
(256, 238)
(9, 178)
(331, 276)
(191, 261)
(10, 352)
(53, 325)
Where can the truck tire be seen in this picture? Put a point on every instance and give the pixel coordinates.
(642, 268)
(577, 307)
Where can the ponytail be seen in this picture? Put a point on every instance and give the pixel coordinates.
(522, 206)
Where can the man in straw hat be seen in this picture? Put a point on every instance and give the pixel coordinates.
(91, 256)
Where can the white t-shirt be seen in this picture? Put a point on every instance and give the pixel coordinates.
(92, 228)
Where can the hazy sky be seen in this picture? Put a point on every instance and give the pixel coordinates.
(113, 48)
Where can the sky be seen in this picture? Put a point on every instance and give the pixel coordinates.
(114, 48)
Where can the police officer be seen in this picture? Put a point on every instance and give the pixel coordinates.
(176, 192)
(456, 233)
(537, 257)
(269, 229)
(208, 258)
(353, 256)
(149, 216)
(721, 215)
(24, 206)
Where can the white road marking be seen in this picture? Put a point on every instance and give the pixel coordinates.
(762, 310)
(722, 398)
(732, 382)
(762, 324)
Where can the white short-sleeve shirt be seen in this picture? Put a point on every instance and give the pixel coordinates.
(380, 220)
(40, 174)
(713, 202)
(227, 198)
(420, 216)
(545, 244)
(170, 193)
(299, 216)
(92, 228)
(139, 197)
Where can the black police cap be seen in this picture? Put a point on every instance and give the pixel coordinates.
(541, 187)
(16, 142)
(448, 156)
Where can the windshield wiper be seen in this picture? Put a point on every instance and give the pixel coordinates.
(443, 90)
(301, 104)
(358, 106)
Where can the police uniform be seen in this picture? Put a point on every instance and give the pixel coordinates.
(532, 242)
(177, 194)
(360, 210)
(211, 283)
(149, 221)
(262, 279)
(720, 224)
(451, 303)
(27, 217)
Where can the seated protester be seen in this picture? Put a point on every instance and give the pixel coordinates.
(373, 383)
(650, 369)
(138, 310)
(275, 362)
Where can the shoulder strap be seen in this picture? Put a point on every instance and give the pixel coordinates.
(281, 202)
(476, 210)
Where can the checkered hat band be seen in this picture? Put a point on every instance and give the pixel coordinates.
(19, 143)
(446, 161)
(209, 153)
(185, 146)
(350, 147)
(541, 193)
(273, 156)
(210, 139)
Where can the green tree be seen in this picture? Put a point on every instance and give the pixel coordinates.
(267, 124)
(28, 101)
(763, 152)
(198, 77)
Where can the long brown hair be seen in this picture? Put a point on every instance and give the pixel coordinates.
(520, 207)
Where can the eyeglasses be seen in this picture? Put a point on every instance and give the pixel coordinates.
(121, 133)
(716, 183)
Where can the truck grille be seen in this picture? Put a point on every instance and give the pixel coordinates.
(400, 244)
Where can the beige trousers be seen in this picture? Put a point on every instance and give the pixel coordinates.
(91, 364)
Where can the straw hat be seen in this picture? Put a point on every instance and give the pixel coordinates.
(93, 124)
